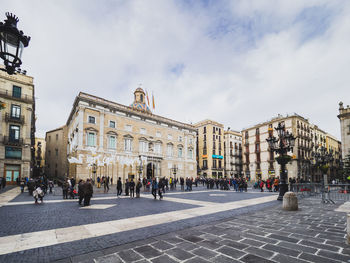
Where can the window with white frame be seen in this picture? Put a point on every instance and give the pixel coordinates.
(158, 148)
(190, 153)
(158, 134)
(111, 124)
(91, 139)
(170, 137)
(179, 152)
(190, 140)
(143, 131)
(128, 127)
(127, 144)
(170, 150)
(180, 139)
(92, 119)
(143, 146)
(112, 142)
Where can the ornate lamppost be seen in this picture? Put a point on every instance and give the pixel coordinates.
(140, 167)
(282, 146)
(12, 42)
(94, 170)
(322, 159)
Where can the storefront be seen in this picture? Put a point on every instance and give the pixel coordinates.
(12, 172)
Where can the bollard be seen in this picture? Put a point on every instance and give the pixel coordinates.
(348, 229)
(290, 201)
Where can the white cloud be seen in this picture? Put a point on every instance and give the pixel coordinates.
(238, 62)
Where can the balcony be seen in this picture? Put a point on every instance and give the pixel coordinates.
(12, 141)
(204, 168)
(20, 97)
(10, 118)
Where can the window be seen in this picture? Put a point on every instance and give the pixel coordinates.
(180, 138)
(214, 163)
(16, 91)
(213, 129)
(13, 153)
(111, 124)
(56, 137)
(143, 146)
(170, 150)
(158, 148)
(56, 152)
(190, 153)
(257, 131)
(205, 129)
(128, 128)
(213, 137)
(219, 163)
(91, 139)
(205, 163)
(190, 141)
(170, 137)
(158, 134)
(92, 119)
(14, 133)
(127, 144)
(179, 152)
(246, 135)
(112, 142)
(143, 131)
(49, 138)
(205, 137)
(15, 111)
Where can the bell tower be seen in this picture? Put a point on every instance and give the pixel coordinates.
(139, 96)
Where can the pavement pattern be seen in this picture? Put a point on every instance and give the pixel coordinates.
(62, 230)
(315, 233)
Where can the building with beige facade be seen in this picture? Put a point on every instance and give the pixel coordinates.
(56, 164)
(17, 126)
(105, 138)
(344, 118)
(210, 140)
(233, 153)
(259, 160)
(39, 160)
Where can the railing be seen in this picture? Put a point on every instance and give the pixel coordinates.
(20, 97)
(328, 193)
(13, 141)
(9, 117)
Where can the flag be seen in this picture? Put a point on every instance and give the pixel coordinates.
(147, 97)
(153, 106)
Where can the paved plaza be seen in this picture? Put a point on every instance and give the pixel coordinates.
(199, 226)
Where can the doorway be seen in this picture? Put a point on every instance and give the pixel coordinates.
(12, 172)
(150, 170)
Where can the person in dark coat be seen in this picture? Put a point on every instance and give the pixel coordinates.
(127, 187)
(160, 188)
(132, 188)
(154, 188)
(119, 187)
(81, 190)
(3, 182)
(138, 188)
(88, 191)
(65, 188)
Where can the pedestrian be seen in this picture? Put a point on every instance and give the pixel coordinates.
(261, 186)
(22, 185)
(160, 188)
(132, 188)
(38, 193)
(154, 188)
(50, 186)
(31, 186)
(81, 190)
(65, 187)
(127, 187)
(138, 188)
(3, 182)
(182, 183)
(98, 182)
(105, 184)
(119, 187)
(88, 191)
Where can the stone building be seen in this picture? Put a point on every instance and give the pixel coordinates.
(17, 126)
(39, 160)
(105, 138)
(233, 153)
(344, 117)
(56, 164)
(259, 160)
(210, 140)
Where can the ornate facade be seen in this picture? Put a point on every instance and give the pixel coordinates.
(105, 138)
(344, 117)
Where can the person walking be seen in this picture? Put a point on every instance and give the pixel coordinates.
(154, 188)
(38, 193)
(65, 188)
(132, 188)
(81, 190)
(182, 183)
(88, 192)
(3, 182)
(138, 188)
(119, 187)
(50, 186)
(105, 184)
(22, 185)
(160, 188)
(98, 182)
(127, 187)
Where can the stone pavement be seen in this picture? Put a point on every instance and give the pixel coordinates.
(315, 233)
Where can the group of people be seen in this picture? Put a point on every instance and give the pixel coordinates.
(130, 187)
(271, 184)
(105, 181)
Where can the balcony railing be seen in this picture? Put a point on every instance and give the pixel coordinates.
(19, 97)
(13, 141)
(9, 117)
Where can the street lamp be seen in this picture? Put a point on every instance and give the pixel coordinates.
(140, 168)
(12, 42)
(94, 169)
(322, 158)
(282, 146)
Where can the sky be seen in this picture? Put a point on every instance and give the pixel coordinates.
(236, 62)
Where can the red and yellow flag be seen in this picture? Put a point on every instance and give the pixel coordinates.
(153, 105)
(147, 98)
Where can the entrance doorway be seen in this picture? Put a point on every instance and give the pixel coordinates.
(12, 172)
(150, 170)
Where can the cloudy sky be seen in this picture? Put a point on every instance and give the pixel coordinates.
(236, 62)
